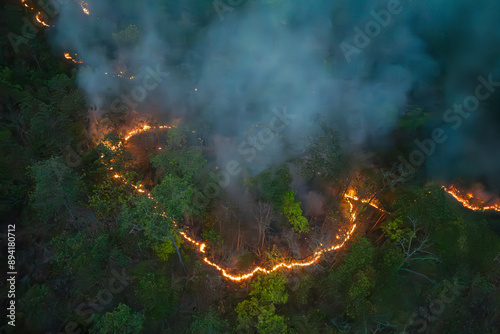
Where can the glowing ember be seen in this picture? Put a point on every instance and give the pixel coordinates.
(84, 6)
(25, 4)
(201, 246)
(466, 200)
(68, 56)
(39, 18)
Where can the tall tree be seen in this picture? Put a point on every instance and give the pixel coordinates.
(293, 213)
(57, 189)
(121, 320)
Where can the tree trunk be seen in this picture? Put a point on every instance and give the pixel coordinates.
(179, 254)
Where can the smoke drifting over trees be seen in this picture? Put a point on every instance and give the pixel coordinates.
(359, 64)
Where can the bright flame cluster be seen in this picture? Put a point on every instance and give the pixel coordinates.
(129, 135)
(76, 61)
(143, 129)
(84, 6)
(25, 4)
(372, 203)
(139, 189)
(453, 191)
(201, 246)
(39, 18)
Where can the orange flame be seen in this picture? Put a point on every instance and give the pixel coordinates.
(314, 258)
(453, 191)
(68, 56)
(289, 265)
(25, 4)
(371, 203)
(84, 6)
(39, 18)
(143, 129)
(201, 246)
(317, 255)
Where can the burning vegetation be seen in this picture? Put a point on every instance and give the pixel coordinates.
(350, 198)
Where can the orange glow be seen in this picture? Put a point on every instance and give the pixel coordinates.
(25, 4)
(143, 129)
(68, 56)
(453, 191)
(371, 203)
(201, 247)
(39, 18)
(131, 133)
(289, 265)
(84, 6)
(314, 258)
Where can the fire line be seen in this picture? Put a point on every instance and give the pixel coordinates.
(453, 191)
(201, 247)
(349, 197)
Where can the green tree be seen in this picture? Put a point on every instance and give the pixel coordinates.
(121, 320)
(168, 246)
(271, 185)
(56, 190)
(80, 251)
(13, 162)
(272, 324)
(109, 196)
(270, 288)
(208, 323)
(33, 305)
(293, 213)
(49, 129)
(258, 312)
(353, 280)
(155, 293)
(157, 227)
(185, 163)
(174, 196)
